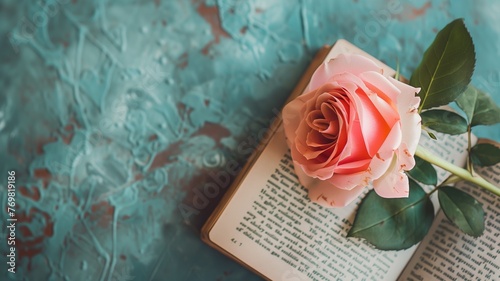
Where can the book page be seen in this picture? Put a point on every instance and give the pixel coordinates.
(271, 225)
(449, 254)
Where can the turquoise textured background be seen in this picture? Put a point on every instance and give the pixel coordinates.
(123, 119)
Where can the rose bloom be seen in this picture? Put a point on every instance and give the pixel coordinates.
(353, 126)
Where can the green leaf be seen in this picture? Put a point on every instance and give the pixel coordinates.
(446, 67)
(462, 210)
(467, 101)
(394, 223)
(444, 121)
(423, 172)
(479, 107)
(485, 154)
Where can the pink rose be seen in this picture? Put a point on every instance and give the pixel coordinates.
(353, 126)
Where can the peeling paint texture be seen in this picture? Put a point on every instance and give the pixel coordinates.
(126, 120)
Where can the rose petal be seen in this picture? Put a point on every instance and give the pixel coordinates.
(373, 125)
(358, 159)
(321, 171)
(354, 64)
(350, 181)
(292, 118)
(385, 97)
(406, 160)
(378, 166)
(329, 196)
(381, 85)
(372, 116)
(410, 127)
(326, 194)
(410, 119)
(393, 184)
(318, 141)
(404, 88)
(382, 159)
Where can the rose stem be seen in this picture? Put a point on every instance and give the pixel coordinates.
(464, 174)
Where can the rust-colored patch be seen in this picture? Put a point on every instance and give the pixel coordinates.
(32, 193)
(211, 15)
(183, 64)
(420, 12)
(181, 107)
(42, 142)
(259, 10)
(44, 175)
(103, 207)
(25, 231)
(214, 131)
(164, 157)
(30, 243)
(68, 134)
(138, 177)
(102, 213)
(206, 49)
(75, 200)
(410, 12)
(183, 61)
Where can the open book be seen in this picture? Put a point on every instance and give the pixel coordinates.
(267, 223)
